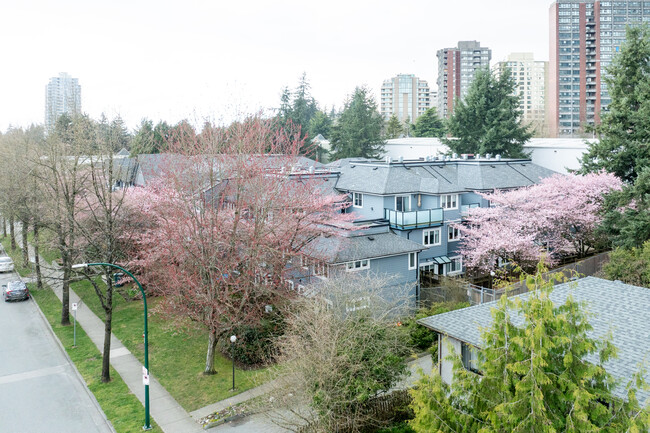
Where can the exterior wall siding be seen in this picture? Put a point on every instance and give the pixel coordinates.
(448, 346)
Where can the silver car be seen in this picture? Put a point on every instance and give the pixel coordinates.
(15, 291)
(6, 264)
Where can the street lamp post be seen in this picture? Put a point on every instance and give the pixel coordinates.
(233, 339)
(147, 417)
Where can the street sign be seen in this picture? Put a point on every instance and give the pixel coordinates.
(145, 379)
(144, 371)
(74, 306)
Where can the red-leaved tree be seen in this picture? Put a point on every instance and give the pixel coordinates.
(228, 211)
(554, 218)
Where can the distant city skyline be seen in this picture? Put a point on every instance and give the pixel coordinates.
(218, 60)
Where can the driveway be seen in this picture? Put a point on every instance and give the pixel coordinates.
(39, 390)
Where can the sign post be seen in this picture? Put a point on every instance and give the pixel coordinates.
(74, 311)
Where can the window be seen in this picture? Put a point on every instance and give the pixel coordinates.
(357, 265)
(402, 203)
(431, 237)
(453, 233)
(357, 199)
(469, 355)
(449, 201)
(456, 265)
(413, 262)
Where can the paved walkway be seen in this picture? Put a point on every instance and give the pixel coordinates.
(165, 410)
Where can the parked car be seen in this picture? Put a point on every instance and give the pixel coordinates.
(15, 291)
(6, 264)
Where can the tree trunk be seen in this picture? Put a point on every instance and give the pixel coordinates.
(65, 292)
(4, 226)
(108, 325)
(12, 233)
(23, 231)
(209, 360)
(37, 261)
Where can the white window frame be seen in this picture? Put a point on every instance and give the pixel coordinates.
(412, 258)
(452, 197)
(425, 236)
(453, 233)
(357, 265)
(357, 197)
(460, 263)
(357, 304)
(408, 197)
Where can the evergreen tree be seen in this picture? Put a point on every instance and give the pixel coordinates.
(150, 139)
(533, 377)
(297, 110)
(624, 133)
(429, 125)
(320, 123)
(393, 128)
(487, 119)
(357, 132)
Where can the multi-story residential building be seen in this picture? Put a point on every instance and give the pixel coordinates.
(405, 96)
(529, 76)
(456, 69)
(425, 200)
(584, 35)
(62, 95)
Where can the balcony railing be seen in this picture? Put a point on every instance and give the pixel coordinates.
(464, 208)
(413, 220)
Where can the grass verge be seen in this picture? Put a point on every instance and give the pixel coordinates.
(176, 351)
(16, 256)
(121, 407)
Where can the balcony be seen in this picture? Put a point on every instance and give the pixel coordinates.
(464, 208)
(414, 220)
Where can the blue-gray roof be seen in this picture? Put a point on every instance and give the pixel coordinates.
(437, 177)
(621, 309)
(359, 246)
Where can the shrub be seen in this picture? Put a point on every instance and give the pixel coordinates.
(423, 338)
(255, 343)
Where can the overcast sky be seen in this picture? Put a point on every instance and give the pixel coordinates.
(218, 59)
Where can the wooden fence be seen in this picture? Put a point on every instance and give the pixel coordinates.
(380, 409)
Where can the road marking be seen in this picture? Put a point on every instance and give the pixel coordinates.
(32, 374)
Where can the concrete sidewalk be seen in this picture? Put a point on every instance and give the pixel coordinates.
(165, 410)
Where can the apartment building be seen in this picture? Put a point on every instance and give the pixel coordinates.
(62, 95)
(456, 69)
(406, 96)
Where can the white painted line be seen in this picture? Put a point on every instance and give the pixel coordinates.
(32, 374)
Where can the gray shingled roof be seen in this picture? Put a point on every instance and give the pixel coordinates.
(438, 177)
(358, 246)
(620, 308)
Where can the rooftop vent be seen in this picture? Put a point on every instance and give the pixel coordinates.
(497, 157)
(454, 156)
(389, 160)
(488, 155)
(478, 156)
(401, 159)
(464, 156)
(311, 168)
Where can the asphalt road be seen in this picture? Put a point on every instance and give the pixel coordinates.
(40, 392)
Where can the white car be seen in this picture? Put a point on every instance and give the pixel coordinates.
(6, 264)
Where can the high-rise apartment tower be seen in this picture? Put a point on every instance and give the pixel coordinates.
(62, 95)
(529, 76)
(584, 36)
(405, 96)
(456, 70)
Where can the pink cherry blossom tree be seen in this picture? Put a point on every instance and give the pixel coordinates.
(546, 221)
(221, 223)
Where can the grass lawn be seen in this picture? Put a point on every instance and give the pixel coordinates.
(121, 407)
(176, 353)
(17, 256)
(46, 250)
